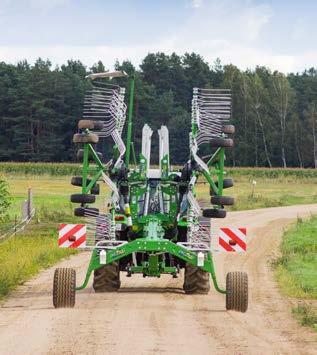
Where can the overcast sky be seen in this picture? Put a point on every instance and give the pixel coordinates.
(279, 34)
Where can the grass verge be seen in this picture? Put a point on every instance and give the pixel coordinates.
(23, 256)
(296, 269)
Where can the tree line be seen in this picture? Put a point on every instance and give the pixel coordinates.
(274, 114)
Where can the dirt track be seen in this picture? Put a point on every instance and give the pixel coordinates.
(151, 316)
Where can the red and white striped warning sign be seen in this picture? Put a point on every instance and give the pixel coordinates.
(72, 235)
(232, 240)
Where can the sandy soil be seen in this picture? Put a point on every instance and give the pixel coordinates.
(153, 316)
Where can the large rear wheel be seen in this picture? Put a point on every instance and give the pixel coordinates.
(107, 278)
(196, 280)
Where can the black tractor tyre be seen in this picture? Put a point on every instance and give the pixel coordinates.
(237, 291)
(221, 142)
(196, 280)
(86, 212)
(89, 124)
(107, 278)
(82, 198)
(64, 288)
(85, 138)
(80, 155)
(214, 213)
(222, 200)
(228, 129)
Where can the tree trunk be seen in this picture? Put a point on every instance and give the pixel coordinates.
(282, 107)
(299, 156)
(264, 141)
(314, 138)
(283, 157)
(256, 142)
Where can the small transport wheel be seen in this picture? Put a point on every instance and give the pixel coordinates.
(64, 288)
(214, 213)
(85, 138)
(222, 200)
(237, 291)
(82, 198)
(221, 142)
(89, 124)
(86, 212)
(107, 278)
(80, 155)
(228, 129)
(196, 280)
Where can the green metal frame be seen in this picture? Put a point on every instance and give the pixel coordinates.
(151, 228)
(147, 245)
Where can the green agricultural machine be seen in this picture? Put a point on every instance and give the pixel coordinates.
(153, 224)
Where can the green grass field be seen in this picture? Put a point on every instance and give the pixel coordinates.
(273, 188)
(296, 269)
(23, 256)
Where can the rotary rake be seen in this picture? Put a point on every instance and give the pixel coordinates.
(154, 224)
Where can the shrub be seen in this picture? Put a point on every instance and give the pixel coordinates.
(5, 199)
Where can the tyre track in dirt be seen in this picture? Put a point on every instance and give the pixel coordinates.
(153, 316)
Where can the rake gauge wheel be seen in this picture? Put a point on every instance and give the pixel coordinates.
(237, 291)
(85, 138)
(228, 129)
(222, 200)
(96, 189)
(78, 181)
(86, 212)
(82, 198)
(89, 124)
(221, 142)
(226, 184)
(214, 213)
(64, 288)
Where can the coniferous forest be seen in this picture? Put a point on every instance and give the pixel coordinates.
(275, 115)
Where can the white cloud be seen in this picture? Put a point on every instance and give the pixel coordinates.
(254, 18)
(45, 6)
(299, 29)
(196, 4)
(228, 29)
(246, 57)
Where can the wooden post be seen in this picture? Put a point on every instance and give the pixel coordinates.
(30, 203)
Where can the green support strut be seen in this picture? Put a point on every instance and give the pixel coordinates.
(129, 131)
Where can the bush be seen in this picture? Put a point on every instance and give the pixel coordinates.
(5, 199)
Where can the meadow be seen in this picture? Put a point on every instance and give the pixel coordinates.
(296, 269)
(51, 187)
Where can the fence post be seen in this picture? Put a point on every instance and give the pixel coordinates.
(30, 203)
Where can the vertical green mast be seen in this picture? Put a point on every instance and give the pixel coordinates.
(129, 132)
